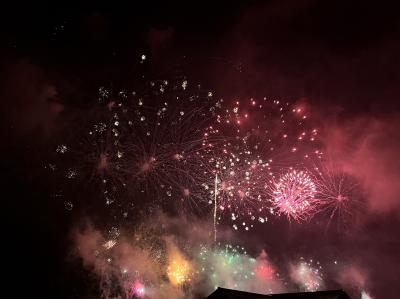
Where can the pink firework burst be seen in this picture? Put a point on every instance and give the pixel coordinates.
(341, 197)
(294, 195)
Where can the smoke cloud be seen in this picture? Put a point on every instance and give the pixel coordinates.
(158, 262)
(368, 148)
(30, 100)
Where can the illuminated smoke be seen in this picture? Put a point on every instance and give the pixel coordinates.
(308, 275)
(179, 269)
(365, 295)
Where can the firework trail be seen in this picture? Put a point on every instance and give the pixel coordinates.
(215, 207)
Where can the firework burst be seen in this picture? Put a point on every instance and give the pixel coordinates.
(294, 195)
(252, 141)
(341, 196)
(170, 144)
(163, 143)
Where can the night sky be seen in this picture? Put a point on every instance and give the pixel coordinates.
(339, 61)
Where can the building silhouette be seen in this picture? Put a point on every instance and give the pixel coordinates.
(222, 293)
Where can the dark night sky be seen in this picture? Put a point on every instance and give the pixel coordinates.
(341, 56)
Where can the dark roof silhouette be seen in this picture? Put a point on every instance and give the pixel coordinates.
(222, 293)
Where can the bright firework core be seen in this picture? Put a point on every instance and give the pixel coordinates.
(179, 268)
(294, 195)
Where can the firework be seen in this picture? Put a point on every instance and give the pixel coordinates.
(308, 275)
(169, 141)
(253, 140)
(141, 145)
(294, 195)
(236, 188)
(164, 144)
(141, 267)
(179, 269)
(232, 267)
(90, 156)
(226, 266)
(340, 194)
(169, 145)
